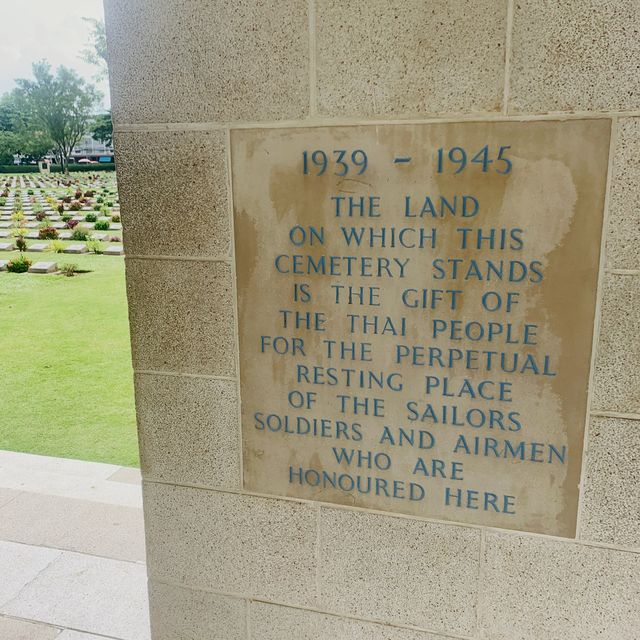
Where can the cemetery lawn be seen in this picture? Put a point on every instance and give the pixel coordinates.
(67, 387)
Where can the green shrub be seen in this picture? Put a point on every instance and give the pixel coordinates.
(101, 225)
(96, 246)
(115, 217)
(13, 168)
(19, 264)
(79, 235)
(57, 246)
(68, 269)
(91, 217)
(103, 166)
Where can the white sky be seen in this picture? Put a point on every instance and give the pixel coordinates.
(51, 29)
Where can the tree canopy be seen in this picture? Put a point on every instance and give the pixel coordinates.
(19, 133)
(96, 51)
(102, 129)
(61, 105)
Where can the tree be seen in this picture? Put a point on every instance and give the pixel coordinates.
(102, 129)
(96, 51)
(61, 104)
(9, 146)
(19, 133)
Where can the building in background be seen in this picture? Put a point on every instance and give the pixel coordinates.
(91, 149)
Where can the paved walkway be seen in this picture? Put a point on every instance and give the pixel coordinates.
(71, 550)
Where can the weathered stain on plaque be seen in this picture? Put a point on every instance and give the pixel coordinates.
(416, 307)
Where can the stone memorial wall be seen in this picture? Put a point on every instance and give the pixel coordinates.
(386, 350)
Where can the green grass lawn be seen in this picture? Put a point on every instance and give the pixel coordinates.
(67, 387)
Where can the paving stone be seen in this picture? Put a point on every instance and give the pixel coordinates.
(65, 235)
(7, 495)
(58, 225)
(114, 250)
(75, 525)
(97, 595)
(77, 635)
(32, 235)
(31, 225)
(99, 236)
(40, 246)
(3, 265)
(130, 475)
(19, 565)
(76, 248)
(5, 234)
(66, 478)
(6, 246)
(43, 267)
(12, 629)
(5, 225)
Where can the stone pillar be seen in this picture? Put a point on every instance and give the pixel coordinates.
(232, 557)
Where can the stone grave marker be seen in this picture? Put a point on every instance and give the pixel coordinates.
(43, 267)
(76, 248)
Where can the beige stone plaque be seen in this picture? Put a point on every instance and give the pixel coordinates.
(416, 306)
